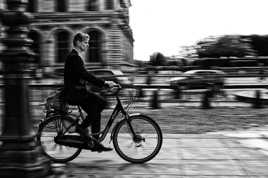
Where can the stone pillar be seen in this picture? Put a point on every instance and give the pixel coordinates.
(20, 155)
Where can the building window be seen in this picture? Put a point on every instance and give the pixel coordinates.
(61, 6)
(123, 4)
(94, 51)
(109, 4)
(35, 46)
(32, 6)
(92, 5)
(62, 45)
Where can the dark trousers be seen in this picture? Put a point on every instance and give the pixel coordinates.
(93, 105)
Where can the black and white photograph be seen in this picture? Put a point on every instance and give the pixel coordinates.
(133, 89)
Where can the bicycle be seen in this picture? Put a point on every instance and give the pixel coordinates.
(137, 138)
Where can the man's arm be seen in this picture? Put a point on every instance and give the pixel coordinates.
(84, 74)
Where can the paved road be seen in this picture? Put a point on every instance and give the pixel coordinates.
(225, 142)
(241, 153)
(221, 142)
(218, 154)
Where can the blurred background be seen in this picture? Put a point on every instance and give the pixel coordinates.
(231, 62)
(217, 70)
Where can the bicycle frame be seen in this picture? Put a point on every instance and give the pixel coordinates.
(117, 109)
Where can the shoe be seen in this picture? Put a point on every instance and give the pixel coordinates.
(98, 147)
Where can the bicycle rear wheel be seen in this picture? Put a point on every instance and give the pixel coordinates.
(142, 147)
(49, 130)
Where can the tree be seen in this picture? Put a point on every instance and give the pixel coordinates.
(188, 51)
(158, 59)
(259, 43)
(224, 46)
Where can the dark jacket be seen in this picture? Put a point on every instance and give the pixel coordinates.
(75, 75)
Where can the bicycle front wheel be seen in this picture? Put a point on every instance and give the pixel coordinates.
(49, 130)
(142, 146)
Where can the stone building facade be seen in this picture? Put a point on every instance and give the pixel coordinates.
(56, 22)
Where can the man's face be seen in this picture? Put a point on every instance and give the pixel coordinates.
(83, 45)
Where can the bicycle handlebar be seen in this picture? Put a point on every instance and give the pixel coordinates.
(113, 90)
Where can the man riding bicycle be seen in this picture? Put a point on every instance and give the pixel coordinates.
(76, 92)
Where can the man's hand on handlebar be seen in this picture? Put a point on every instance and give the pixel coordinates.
(110, 84)
(113, 88)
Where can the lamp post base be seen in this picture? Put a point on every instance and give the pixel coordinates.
(28, 163)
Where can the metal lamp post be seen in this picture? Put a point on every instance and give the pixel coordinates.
(20, 155)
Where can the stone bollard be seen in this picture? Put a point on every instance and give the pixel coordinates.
(177, 92)
(205, 102)
(140, 93)
(149, 79)
(257, 101)
(155, 103)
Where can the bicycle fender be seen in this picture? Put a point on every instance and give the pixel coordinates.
(135, 114)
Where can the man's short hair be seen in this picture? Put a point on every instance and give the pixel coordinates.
(80, 36)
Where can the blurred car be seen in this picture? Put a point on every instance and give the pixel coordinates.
(111, 74)
(199, 79)
(164, 75)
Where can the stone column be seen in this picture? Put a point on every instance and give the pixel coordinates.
(20, 155)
